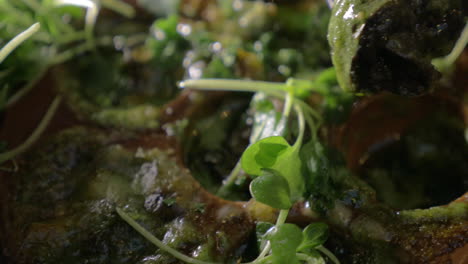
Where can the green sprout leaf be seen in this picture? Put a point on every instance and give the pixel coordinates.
(270, 153)
(284, 242)
(314, 235)
(271, 189)
(275, 153)
(263, 154)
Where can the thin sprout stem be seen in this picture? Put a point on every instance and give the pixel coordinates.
(459, 47)
(36, 133)
(300, 117)
(312, 126)
(92, 11)
(279, 222)
(16, 41)
(120, 7)
(237, 169)
(232, 85)
(39, 36)
(150, 237)
(58, 59)
(90, 22)
(330, 255)
(273, 89)
(156, 241)
(443, 64)
(231, 179)
(308, 109)
(282, 218)
(288, 105)
(63, 27)
(257, 135)
(264, 252)
(23, 91)
(283, 214)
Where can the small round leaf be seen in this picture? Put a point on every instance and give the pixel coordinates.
(263, 154)
(271, 189)
(284, 242)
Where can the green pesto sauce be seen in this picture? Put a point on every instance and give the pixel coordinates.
(453, 211)
(69, 188)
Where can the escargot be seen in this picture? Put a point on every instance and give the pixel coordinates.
(388, 45)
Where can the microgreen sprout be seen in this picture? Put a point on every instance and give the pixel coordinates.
(276, 169)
